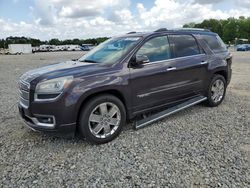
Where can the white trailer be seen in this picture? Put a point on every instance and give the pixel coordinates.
(73, 48)
(44, 48)
(20, 48)
(35, 49)
(61, 47)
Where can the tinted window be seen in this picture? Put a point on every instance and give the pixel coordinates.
(156, 49)
(215, 43)
(183, 45)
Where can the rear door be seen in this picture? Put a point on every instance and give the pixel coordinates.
(190, 63)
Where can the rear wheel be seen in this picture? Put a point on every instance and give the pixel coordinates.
(102, 119)
(216, 91)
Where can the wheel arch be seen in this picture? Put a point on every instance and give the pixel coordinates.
(113, 92)
(222, 73)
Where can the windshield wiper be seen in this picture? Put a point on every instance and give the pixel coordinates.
(89, 61)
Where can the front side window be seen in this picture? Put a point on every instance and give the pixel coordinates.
(184, 45)
(110, 51)
(156, 49)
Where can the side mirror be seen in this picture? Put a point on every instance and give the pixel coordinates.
(141, 59)
(138, 60)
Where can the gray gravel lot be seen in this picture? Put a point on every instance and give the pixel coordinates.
(198, 147)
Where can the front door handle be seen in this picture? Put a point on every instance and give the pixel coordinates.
(203, 62)
(171, 68)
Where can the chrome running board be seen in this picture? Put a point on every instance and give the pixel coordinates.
(155, 117)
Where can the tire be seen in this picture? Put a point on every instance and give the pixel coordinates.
(215, 93)
(100, 124)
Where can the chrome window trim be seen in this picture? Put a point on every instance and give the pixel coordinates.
(172, 59)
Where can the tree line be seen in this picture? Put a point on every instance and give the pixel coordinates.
(229, 29)
(36, 42)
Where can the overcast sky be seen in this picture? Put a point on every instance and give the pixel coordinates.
(93, 18)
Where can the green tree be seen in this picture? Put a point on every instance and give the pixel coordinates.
(54, 42)
(189, 25)
(228, 29)
(212, 24)
(231, 30)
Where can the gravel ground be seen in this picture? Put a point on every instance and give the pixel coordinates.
(198, 147)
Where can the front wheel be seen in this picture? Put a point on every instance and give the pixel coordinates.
(102, 119)
(216, 91)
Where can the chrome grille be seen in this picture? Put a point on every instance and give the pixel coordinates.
(24, 93)
(24, 85)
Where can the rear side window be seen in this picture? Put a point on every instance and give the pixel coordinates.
(156, 49)
(215, 43)
(184, 45)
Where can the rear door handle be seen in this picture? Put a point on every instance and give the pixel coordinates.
(171, 68)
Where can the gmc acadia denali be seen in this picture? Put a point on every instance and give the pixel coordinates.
(138, 76)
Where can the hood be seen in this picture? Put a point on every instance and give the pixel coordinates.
(63, 69)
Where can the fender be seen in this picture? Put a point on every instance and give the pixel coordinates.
(100, 84)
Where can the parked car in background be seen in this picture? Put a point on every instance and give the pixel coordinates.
(243, 47)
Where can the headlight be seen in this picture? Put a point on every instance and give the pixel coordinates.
(54, 86)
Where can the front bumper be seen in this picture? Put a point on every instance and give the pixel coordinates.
(32, 121)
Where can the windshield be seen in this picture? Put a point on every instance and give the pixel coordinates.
(110, 51)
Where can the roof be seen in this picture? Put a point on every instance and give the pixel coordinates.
(172, 31)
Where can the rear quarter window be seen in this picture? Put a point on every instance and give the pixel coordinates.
(215, 43)
(184, 45)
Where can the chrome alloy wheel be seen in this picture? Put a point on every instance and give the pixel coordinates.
(218, 89)
(104, 120)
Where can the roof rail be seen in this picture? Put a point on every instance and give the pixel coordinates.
(132, 32)
(161, 30)
(192, 29)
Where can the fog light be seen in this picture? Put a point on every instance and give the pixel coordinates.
(47, 120)
(44, 121)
